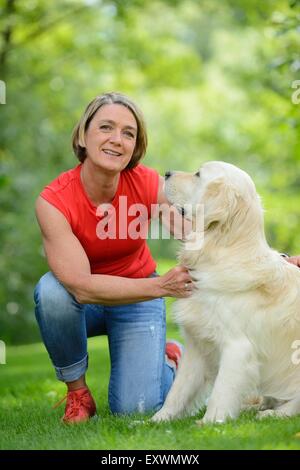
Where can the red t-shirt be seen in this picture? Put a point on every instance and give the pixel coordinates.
(104, 235)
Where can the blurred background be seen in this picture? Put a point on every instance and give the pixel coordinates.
(214, 79)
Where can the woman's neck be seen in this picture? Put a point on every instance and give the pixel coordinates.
(99, 186)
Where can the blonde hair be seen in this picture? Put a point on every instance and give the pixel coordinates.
(78, 141)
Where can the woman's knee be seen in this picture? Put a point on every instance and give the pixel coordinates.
(50, 296)
(134, 404)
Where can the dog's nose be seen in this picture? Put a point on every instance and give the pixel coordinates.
(168, 174)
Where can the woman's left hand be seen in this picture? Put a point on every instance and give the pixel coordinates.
(176, 283)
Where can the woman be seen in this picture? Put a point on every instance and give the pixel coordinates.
(103, 281)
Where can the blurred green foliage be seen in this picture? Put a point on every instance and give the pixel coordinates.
(214, 80)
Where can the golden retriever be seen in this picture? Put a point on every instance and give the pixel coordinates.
(242, 323)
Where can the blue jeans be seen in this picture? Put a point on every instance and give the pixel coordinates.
(140, 379)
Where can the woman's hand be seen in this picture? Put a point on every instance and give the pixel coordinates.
(176, 283)
(294, 260)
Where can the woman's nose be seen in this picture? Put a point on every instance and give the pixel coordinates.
(115, 136)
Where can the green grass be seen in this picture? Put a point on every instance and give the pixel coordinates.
(29, 390)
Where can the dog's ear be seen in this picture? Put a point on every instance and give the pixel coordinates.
(220, 203)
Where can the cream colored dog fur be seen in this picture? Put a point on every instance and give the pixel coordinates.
(242, 323)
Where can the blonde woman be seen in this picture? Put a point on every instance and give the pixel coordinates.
(102, 278)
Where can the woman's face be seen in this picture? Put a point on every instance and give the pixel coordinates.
(111, 137)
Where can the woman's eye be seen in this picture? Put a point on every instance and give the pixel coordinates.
(105, 127)
(129, 134)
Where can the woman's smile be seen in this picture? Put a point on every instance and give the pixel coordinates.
(112, 153)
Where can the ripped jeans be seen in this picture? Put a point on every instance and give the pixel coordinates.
(140, 379)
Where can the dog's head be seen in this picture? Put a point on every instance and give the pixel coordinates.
(225, 195)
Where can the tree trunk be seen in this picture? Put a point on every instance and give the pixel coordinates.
(7, 36)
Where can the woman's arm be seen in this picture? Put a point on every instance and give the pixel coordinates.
(69, 263)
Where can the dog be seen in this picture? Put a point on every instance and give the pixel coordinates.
(241, 324)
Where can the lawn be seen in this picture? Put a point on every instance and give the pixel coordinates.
(29, 390)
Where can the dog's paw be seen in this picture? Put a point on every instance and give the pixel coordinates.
(161, 416)
(204, 421)
(215, 414)
(266, 414)
(284, 411)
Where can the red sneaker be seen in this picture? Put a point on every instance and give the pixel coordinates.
(174, 352)
(80, 406)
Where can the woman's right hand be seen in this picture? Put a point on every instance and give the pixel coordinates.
(176, 283)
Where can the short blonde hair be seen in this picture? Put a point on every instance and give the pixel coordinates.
(78, 141)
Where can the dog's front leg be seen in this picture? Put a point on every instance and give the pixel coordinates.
(237, 377)
(188, 381)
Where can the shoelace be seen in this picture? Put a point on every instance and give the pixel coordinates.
(74, 403)
(59, 403)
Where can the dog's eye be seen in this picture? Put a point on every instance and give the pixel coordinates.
(197, 174)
